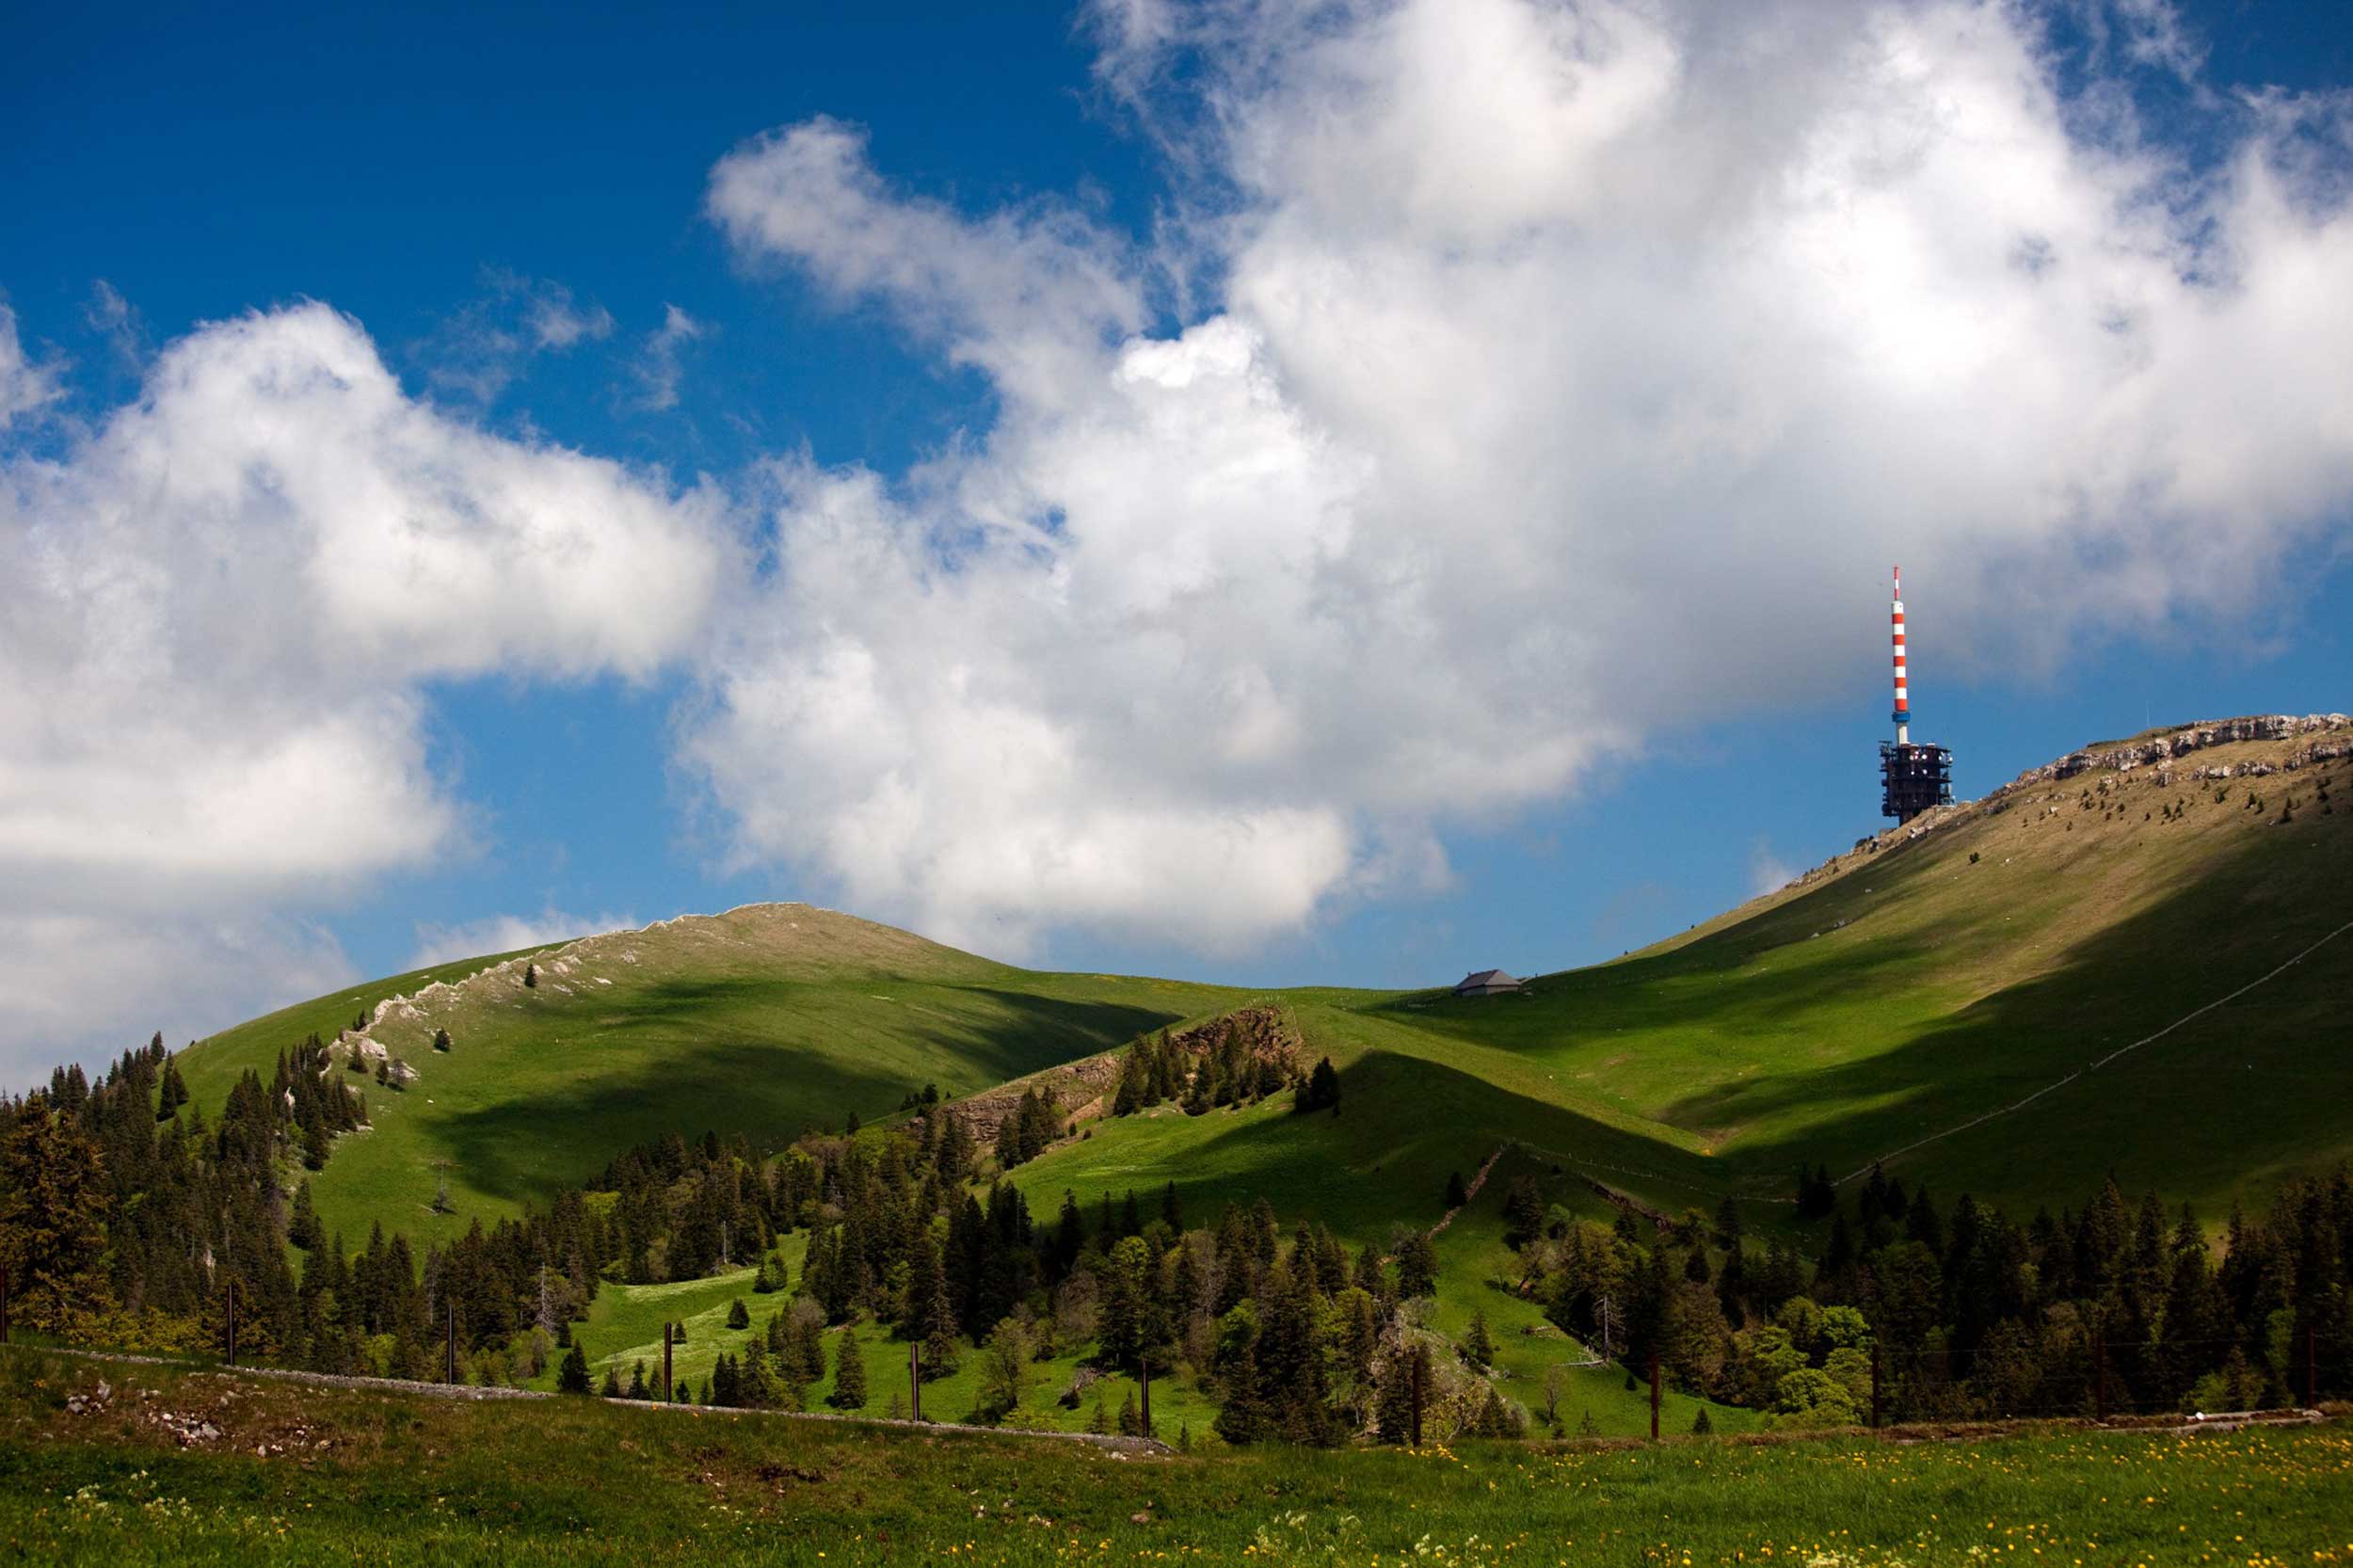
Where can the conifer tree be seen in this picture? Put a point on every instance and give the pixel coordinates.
(1416, 1267)
(1456, 1193)
(612, 1389)
(1322, 1092)
(531, 976)
(739, 1316)
(1477, 1348)
(849, 1373)
(53, 1233)
(637, 1389)
(171, 1093)
(572, 1376)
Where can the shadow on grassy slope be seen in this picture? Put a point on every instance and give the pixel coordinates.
(710, 1073)
(1671, 986)
(1405, 1123)
(2219, 1108)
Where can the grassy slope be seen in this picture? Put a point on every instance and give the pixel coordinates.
(1950, 989)
(1902, 995)
(624, 1327)
(347, 1476)
(768, 1020)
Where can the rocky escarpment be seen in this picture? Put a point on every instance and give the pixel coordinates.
(2330, 736)
(1081, 1089)
(2325, 736)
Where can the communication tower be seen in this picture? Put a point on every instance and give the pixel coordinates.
(1912, 777)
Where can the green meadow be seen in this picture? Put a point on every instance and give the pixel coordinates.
(1899, 996)
(305, 1475)
(770, 1021)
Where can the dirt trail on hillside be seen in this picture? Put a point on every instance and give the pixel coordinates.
(2121, 1050)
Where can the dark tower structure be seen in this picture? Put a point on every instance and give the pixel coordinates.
(1912, 778)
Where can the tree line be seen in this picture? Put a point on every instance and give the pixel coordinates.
(2112, 1306)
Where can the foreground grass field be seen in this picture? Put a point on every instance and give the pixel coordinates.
(302, 1475)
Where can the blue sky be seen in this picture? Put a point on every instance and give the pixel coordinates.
(1140, 488)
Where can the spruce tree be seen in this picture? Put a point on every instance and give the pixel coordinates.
(1456, 1193)
(637, 1389)
(1477, 1348)
(849, 1373)
(531, 976)
(1416, 1267)
(739, 1316)
(572, 1376)
(612, 1389)
(171, 1093)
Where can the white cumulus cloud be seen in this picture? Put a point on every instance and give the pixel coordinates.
(226, 602)
(25, 384)
(1542, 375)
(443, 944)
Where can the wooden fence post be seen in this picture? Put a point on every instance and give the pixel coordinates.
(915, 1379)
(4, 1306)
(1875, 1384)
(1654, 1398)
(2312, 1365)
(232, 1320)
(1418, 1364)
(669, 1394)
(2099, 1377)
(1145, 1362)
(449, 1352)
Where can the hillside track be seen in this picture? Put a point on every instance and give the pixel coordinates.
(2190, 1017)
(470, 1392)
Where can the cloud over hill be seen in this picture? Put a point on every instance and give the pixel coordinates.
(1514, 378)
(1501, 381)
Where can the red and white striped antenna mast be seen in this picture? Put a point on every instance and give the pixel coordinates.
(1912, 778)
(1903, 692)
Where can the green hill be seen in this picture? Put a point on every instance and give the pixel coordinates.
(770, 1020)
(2015, 996)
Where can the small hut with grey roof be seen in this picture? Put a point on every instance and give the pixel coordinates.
(1486, 983)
